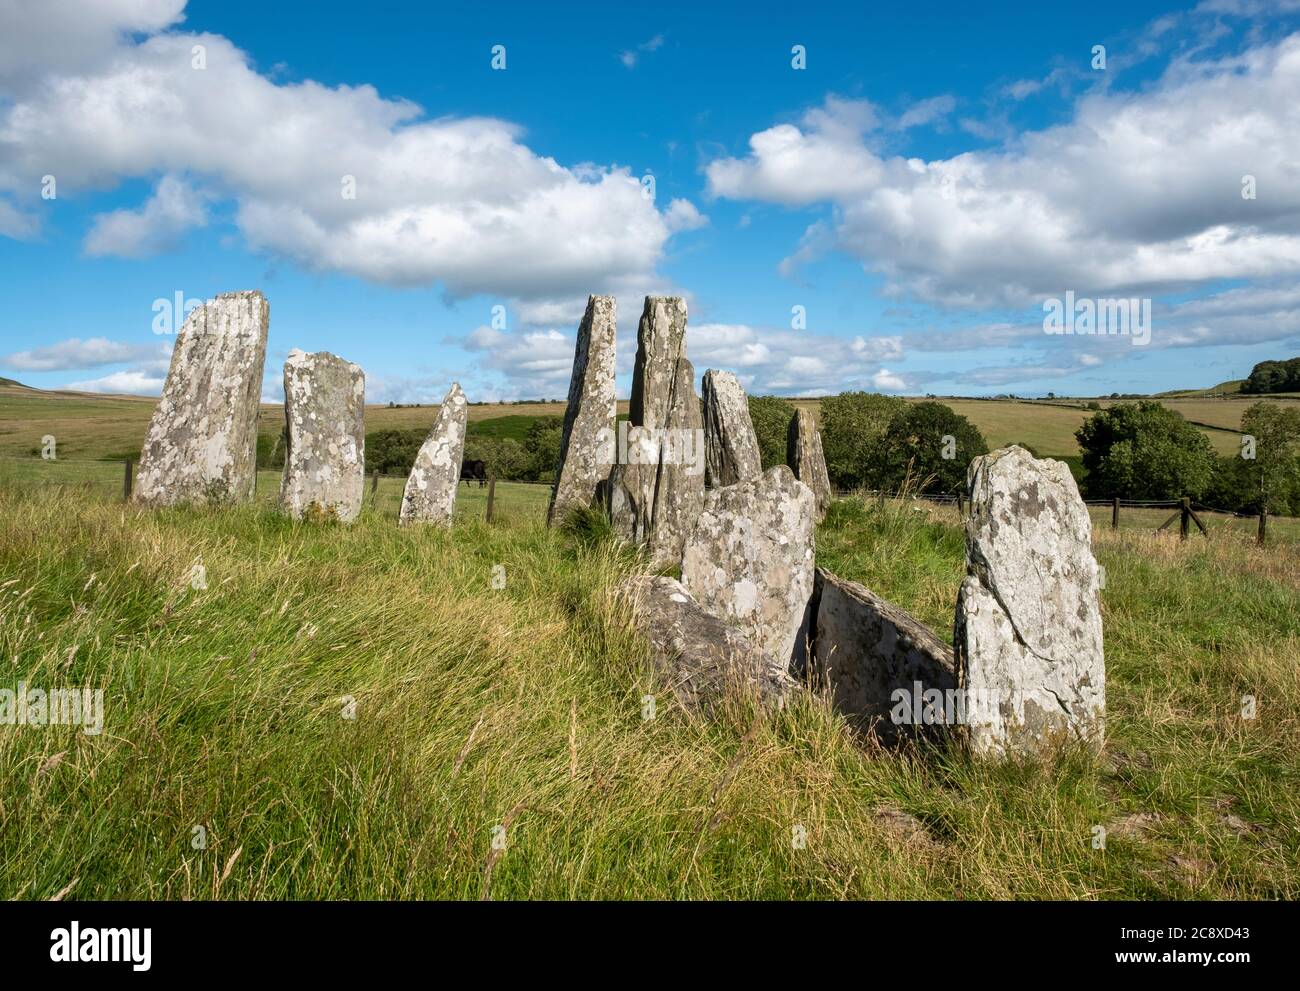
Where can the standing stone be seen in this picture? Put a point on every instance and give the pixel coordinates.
(699, 657)
(589, 418)
(202, 441)
(679, 492)
(631, 488)
(750, 560)
(865, 649)
(1027, 634)
(730, 444)
(659, 345)
(430, 494)
(803, 453)
(635, 486)
(324, 411)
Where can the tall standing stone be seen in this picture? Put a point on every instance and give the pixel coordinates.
(730, 444)
(633, 488)
(803, 453)
(202, 441)
(749, 560)
(430, 494)
(1027, 635)
(659, 345)
(324, 411)
(679, 492)
(589, 419)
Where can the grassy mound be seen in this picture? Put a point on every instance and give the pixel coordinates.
(355, 712)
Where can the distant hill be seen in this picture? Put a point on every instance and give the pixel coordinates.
(1231, 387)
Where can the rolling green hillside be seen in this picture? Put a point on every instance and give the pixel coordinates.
(88, 425)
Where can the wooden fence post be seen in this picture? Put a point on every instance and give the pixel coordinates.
(492, 493)
(1185, 519)
(126, 481)
(374, 484)
(1263, 525)
(1114, 514)
(961, 515)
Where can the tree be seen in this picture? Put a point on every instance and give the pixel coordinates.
(771, 418)
(1274, 376)
(931, 444)
(542, 443)
(504, 457)
(1144, 450)
(392, 452)
(852, 427)
(1271, 478)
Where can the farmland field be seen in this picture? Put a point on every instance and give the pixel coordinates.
(98, 426)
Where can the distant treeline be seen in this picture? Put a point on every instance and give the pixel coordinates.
(1273, 376)
(1145, 450)
(518, 448)
(1133, 450)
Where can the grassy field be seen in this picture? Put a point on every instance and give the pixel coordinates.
(103, 480)
(475, 708)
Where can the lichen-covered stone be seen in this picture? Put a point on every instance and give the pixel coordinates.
(589, 418)
(749, 560)
(324, 463)
(698, 655)
(865, 649)
(202, 441)
(803, 453)
(730, 444)
(660, 344)
(631, 488)
(430, 494)
(1027, 635)
(679, 491)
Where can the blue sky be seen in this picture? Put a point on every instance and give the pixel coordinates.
(917, 191)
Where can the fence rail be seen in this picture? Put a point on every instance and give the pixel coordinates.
(1185, 510)
(383, 490)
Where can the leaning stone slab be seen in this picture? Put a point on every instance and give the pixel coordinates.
(867, 651)
(631, 487)
(589, 418)
(430, 494)
(803, 453)
(202, 441)
(730, 444)
(324, 410)
(750, 560)
(660, 338)
(679, 491)
(700, 656)
(1027, 634)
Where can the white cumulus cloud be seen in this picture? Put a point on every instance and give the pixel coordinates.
(459, 202)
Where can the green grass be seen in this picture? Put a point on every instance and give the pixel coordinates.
(477, 705)
(503, 427)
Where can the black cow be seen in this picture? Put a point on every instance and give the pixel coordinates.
(474, 469)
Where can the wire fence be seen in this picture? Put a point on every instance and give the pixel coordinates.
(492, 500)
(115, 480)
(1188, 513)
